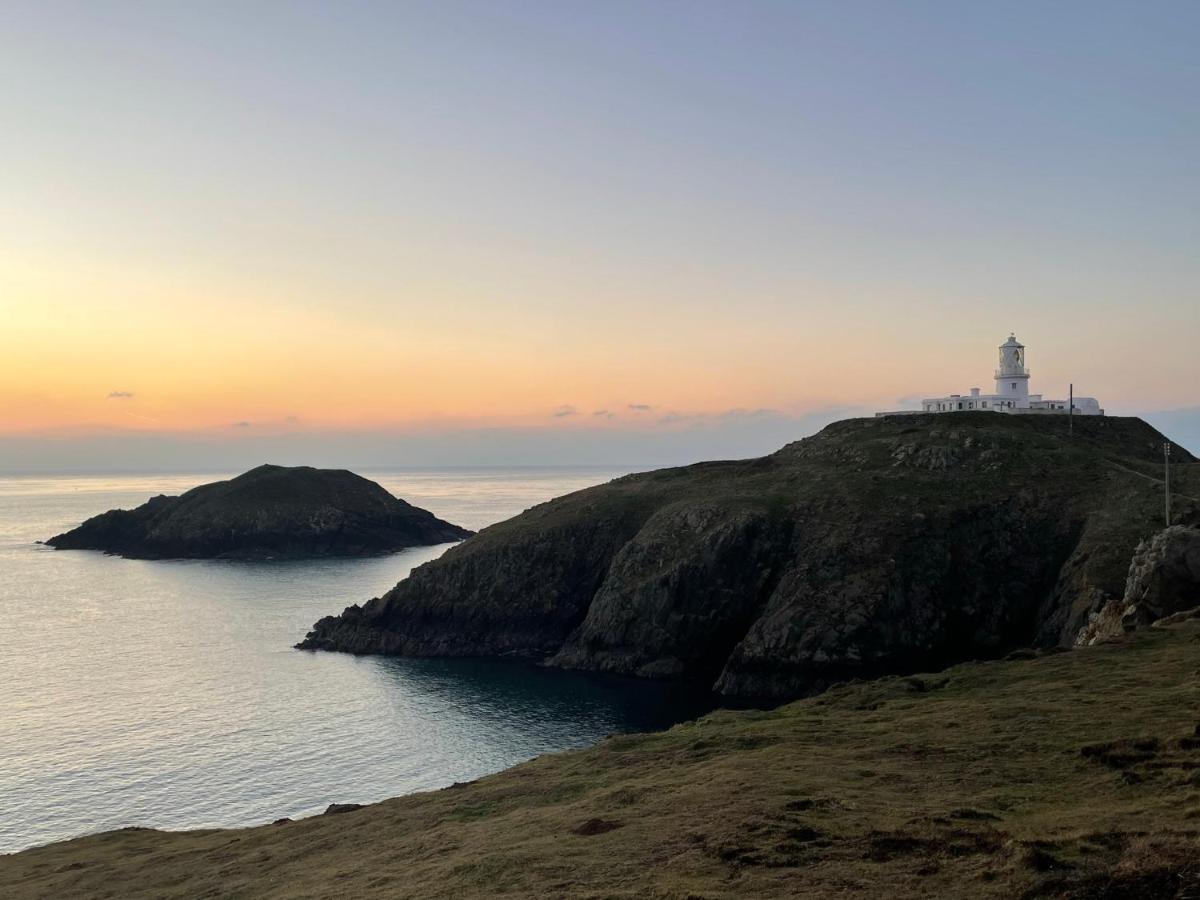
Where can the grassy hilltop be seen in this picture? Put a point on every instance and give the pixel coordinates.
(1072, 774)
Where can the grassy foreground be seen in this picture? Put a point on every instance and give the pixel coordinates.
(1070, 774)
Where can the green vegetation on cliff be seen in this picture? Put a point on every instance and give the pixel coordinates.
(1072, 774)
(876, 546)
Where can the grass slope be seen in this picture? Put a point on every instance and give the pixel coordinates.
(1069, 774)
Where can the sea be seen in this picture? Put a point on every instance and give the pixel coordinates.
(167, 694)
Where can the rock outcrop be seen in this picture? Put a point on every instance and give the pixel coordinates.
(1164, 581)
(877, 546)
(271, 512)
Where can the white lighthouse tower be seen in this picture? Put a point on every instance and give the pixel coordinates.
(1012, 378)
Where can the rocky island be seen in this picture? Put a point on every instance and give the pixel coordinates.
(270, 512)
(877, 546)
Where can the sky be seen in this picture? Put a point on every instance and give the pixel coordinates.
(487, 233)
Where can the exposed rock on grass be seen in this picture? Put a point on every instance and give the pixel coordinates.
(1163, 583)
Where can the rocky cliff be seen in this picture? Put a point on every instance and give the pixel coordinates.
(271, 512)
(875, 546)
(1163, 581)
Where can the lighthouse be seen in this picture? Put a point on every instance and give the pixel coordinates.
(1012, 378)
(1012, 393)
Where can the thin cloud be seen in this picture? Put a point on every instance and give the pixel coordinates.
(640, 407)
(242, 424)
(738, 414)
(564, 411)
(760, 413)
(120, 395)
(603, 413)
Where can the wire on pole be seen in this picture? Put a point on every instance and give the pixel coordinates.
(1167, 481)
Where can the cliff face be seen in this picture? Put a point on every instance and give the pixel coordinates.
(1164, 581)
(269, 512)
(876, 546)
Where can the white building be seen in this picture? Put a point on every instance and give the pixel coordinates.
(1012, 392)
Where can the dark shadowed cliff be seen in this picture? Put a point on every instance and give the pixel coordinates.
(875, 546)
(269, 512)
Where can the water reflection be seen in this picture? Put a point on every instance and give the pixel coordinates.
(556, 703)
(167, 693)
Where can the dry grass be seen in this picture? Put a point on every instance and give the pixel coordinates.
(1067, 775)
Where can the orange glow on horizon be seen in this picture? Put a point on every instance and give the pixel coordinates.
(96, 347)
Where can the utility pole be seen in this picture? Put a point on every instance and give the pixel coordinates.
(1071, 412)
(1167, 479)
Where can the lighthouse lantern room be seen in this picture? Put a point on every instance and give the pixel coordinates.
(1012, 378)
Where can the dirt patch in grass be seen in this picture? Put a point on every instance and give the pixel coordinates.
(596, 826)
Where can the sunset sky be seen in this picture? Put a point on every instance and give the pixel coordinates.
(391, 231)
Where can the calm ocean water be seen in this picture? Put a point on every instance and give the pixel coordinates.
(167, 693)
